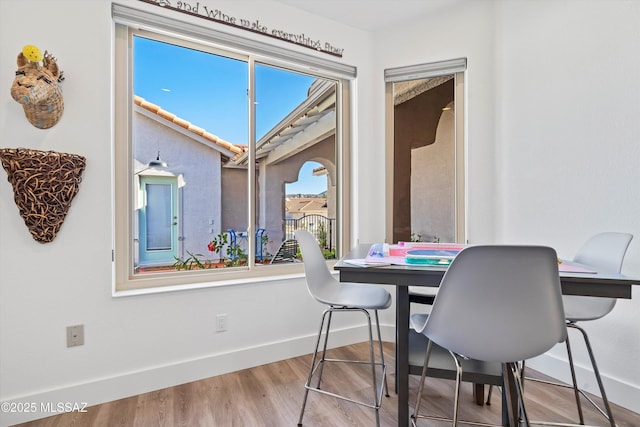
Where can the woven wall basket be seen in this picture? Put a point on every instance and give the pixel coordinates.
(44, 184)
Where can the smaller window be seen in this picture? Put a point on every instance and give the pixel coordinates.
(426, 158)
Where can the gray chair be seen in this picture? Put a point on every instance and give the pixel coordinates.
(422, 294)
(495, 304)
(425, 296)
(341, 297)
(604, 252)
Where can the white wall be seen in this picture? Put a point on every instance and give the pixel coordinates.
(567, 110)
(141, 343)
(552, 134)
(548, 83)
(465, 31)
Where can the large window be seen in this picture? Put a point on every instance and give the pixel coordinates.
(220, 154)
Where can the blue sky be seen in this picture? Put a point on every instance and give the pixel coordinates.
(210, 91)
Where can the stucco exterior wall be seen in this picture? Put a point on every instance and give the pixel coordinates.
(432, 185)
(199, 207)
(234, 199)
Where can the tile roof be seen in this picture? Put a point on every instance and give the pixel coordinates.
(237, 149)
(305, 204)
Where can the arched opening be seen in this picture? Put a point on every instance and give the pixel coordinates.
(310, 203)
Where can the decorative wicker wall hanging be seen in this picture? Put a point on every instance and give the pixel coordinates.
(44, 184)
(38, 87)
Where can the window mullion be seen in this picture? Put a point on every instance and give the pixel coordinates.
(251, 167)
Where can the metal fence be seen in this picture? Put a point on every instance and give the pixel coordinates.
(318, 225)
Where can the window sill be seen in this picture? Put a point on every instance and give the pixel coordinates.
(179, 282)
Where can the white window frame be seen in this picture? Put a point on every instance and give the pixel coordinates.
(457, 68)
(129, 21)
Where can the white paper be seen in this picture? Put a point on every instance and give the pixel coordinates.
(361, 262)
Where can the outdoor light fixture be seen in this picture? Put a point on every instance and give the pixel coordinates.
(157, 163)
(154, 164)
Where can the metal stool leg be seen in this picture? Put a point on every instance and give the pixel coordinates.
(324, 347)
(384, 366)
(416, 411)
(312, 367)
(456, 402)
(576, 390)
(372, 356)
(603, 394)
(518, 375)
(315, 363)
(606, 413)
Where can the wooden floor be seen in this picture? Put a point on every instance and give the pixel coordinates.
(271, 395)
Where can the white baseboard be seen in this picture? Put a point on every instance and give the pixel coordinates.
(103, 390)
(618, 391)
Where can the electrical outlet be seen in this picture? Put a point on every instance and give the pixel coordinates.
(75, 335)
(221, 322)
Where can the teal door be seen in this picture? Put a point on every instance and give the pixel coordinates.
(158, 219)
